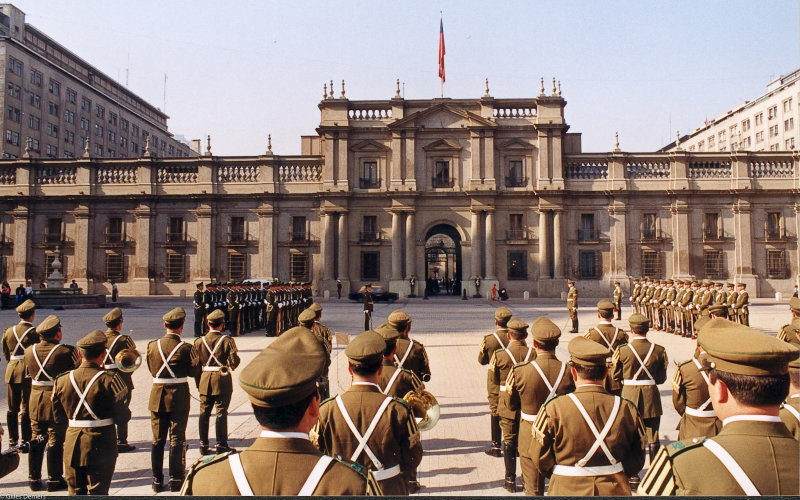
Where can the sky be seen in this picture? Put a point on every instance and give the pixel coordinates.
(239, 70)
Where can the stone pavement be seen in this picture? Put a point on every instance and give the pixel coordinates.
(450, 329)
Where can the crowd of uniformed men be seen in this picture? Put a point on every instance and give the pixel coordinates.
(586, 424)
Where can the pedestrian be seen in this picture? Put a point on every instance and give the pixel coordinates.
(369, 306)
(20, 293)
(339, 289)
(114, 291)
(73, 285)
(5, 295)
(494, 291)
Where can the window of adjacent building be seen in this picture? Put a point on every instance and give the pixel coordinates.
(123, 123)
(788, 125)
(773, 131)
(86, 104)
(112, 153)
(71, 96)
(135, 130)
(171, 150)
(114, 230)
(790, 143)
(69, 116)
(48, 265)
(712, 263)
(721, 135)
(517, 265)
(176, 267)
(84, 124)
(237, 229)
(115, 270)
(112, 118)
(515, 174)
(441, 174)
(100, 111)
(298, 266)
(516, 230)
(710, 142)
(52, 108)
(787, 105)
(369, 228)
(51, 151)
(13, 113)
(691, 148)
(711, 227)
(52, 130)
(123, 142)
(586, 231)
(163, 144)
(370, 266)
(98, 149)
(776, 263)
(134, 148)
(69, 154)
(649, 227)
(774, 147)
(175, 230)
(54, 87)
(34, 144)
(298, 228)
(772, 112)
(237, 266)
(52, 232)
(759, 137)
(14, 66)
(69, 137)
(12, 137)
(14, 90)
(36, 78)
(759, 119)
(112, 136)
(746, 142)
(746, 125)
(589, 264)
(98, 130)
(774, 224)
(369, 175)
(34, 122)
(701, 146)
(733, 129)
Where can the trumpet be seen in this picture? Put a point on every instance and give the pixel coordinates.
(128, 360)
(425, 408)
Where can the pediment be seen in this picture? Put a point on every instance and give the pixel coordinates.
(440, 116)
(369, 146)
(515, 145)
(442, 145)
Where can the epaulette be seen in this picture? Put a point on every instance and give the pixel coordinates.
(328, 400)
(360, 469)
(629, 401)
(684, 362)
(199, 464)
(521, 363)
(679, 447)
(551, 399)
(401, 401)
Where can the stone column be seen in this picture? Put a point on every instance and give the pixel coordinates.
(475, 232)
(558, 243)
(743, 241)
(267, 248)
(143, 270)
(619, 242)
(397, 246)
(22, 244)
(411, 246)
(82, 251)
(327, 245)
(490, 243)
(681, 237)
(343, 247)
(203, 269)
(544, 251)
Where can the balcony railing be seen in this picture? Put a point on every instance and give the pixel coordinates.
(113, 238)
(439, 182)
(515, 181)
(517, 234)
(177, 239)
(648, 236)
(368, 183)
(53, 238)
(370, 236)
(588, 235)
(298, 236)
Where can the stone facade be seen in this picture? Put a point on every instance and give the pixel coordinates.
(386, 190)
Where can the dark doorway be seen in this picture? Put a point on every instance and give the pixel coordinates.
(443, 261)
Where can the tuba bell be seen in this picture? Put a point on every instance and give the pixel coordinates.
(425, 408)
(224, 371)
(128, 360)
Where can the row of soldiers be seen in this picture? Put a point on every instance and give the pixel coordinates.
(247, 306)
(611, 383)
(675, 306)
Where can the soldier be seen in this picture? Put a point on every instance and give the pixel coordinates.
(368, 427)
(618, 300)
(16, 339)
(790, 409)
(232, 303)
(655, 304)
(528, 387)
(325, 335)
(369, 305)
(720, 296)
(572, 305)
(339, 289)
(691, 400)
(282, 461)
(791, 332)
(45, 361)
(742, 306)
(91, 401)
(580, 458)
(271, 306)
(115, 343)
(641, 366)
(170, 361)
(491, 343)
(635, 294)
(668, 306)
(411, 354)
(713, 311)
(748, 380)
(605, 332)
(199, 311)
(731, 302)
(218, 358)
(503, 360)
(686, 309)
(394, 381)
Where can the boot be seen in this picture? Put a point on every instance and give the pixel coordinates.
(122, 438)
(13, 428)
(495, 450)
(510, 459)
(35, 459)
(55, 468)
(221, 428)
(202, 429)
(25, 424)
(574, 326)
(157, 465)
(176, 464)
(634, 483)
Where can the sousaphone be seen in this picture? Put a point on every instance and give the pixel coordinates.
(425, 408)
(128, 360)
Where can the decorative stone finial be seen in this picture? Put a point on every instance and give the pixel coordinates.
(269, 144)
(677, 140)
(559, 87)
(616, 142)
(486, 88)
(342, 96)
(324, 91)
(397, 90)
(28, 148)
(208, 146)
(86, 152)
(554, 85)
(541, 86)
(331, 94)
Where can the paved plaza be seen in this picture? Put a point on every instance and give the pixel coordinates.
(450, 329)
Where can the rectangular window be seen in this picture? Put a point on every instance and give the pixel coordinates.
(721, 135)
(98, 149)
(123, 142)
(788, 125)
(787, 105)
(36, 78)
(100, 111)
(84, 124)
(648, 227)
(54, 87)
(746, 142)
(759, 119)
(299, 228)
(112, 118)
(515, 174)
(123, 123)
(112, 136)
(52, 130)
(52, 108)
(13, 114)
(69, 116)
(237, 266)
(441, 175)
(369, 175)
(773, 131)
(710, 142)
(69, 137)
(298, 266)
(14, 66)
(790, 143)
(712, 263)
(711, 228)
(34, 122)
(370, 266)
(517, 268)
(237, 232)
(776, 264)
(51, 151)
(759, 137)
(14, 90)
(772, 112)
(98, 130)
(774, 224)
(86, 104)
(71, 96)
(12, 137)
(746, 125)
(516, 228)
(651, 263)
(701, 146)
(369, 228)
(176, 267)
(114, 230)
(115, 270)
(52, 230)
(135, 130)
(589, 264)
(587, 231)
(175, 230)
(35, 144)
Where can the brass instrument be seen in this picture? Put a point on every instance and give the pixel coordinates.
(128, 360)
(425, 408)
(224, 371)
(9, 458)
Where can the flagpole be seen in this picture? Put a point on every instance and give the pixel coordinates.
(441, 36)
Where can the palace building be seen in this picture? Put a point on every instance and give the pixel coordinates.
(452, 189)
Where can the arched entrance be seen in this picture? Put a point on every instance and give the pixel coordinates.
(443, 260)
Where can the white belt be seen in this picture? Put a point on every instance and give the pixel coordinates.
(527, 416)
(384, 474)
(91, 423)
(701, 413)
(211, 368)
(44, 383)
(110, 367)
(17, 357)
(638, 382)
(168, 381)
(503, 388)
(574, 471)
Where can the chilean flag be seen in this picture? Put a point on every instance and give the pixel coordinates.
(441, 50)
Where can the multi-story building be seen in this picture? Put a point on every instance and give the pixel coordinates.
(771, 122)
(55, 102)
(456, 189)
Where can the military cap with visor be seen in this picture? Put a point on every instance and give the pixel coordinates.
(605, 305)
(399, 316)
(739, 349)
(517, 325)
(544, 330)
(502, 314)
(794, 304)
(367, 348)
(388, 332)
(113, 315)
(175, 316)
(216, 316)
(307, 315)
(49, 326)
(637, 320)
(26, 307)
(585, 352)
(93, 341)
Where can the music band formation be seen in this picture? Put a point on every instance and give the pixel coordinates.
(584, 426)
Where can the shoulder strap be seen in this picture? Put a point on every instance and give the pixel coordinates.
(707, 380)
(110, 348)
(605, 340)
(82, 395)
(19, 339)
(212, 352)
(599, 436)
(401, 362)
(316, 476)
(527, 355)
(238, 475)
(733, 467)
(554, 387)
(362, 440)
(642, 362)
(792, 410)
(392, 380)
(41, 364)
(167, 359)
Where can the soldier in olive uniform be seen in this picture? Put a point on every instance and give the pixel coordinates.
(394, 381)
(635, 294)
(790, 409)
(503, 360)
(199, 311)
(91, 400)
(218, 358)
(170, 361)
(281, 382)
(234, 310)
(491, 343)
(641, 366)
(16, 339)
(684, 307)
(411, 354)
(692, 402)
(742, 306)
(618, 299)
(366, 426)
(528, 387)
(369, 306)
(116, 342)
(45, 361)
(791, 332)
(324, 337)
(748, 380)
(572, 305)
(590, 441)
(731, 302)
(608, 335)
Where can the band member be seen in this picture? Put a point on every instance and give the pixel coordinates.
(491, 343)
(608, 335)
(411, 354)
(790, 409)
(16, 339)
(692, 402)
(310, 318)
(115, 343)
(394, 381)
(791, 332)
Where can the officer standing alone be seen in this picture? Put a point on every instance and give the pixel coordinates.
(369, 306)
(572, 305)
